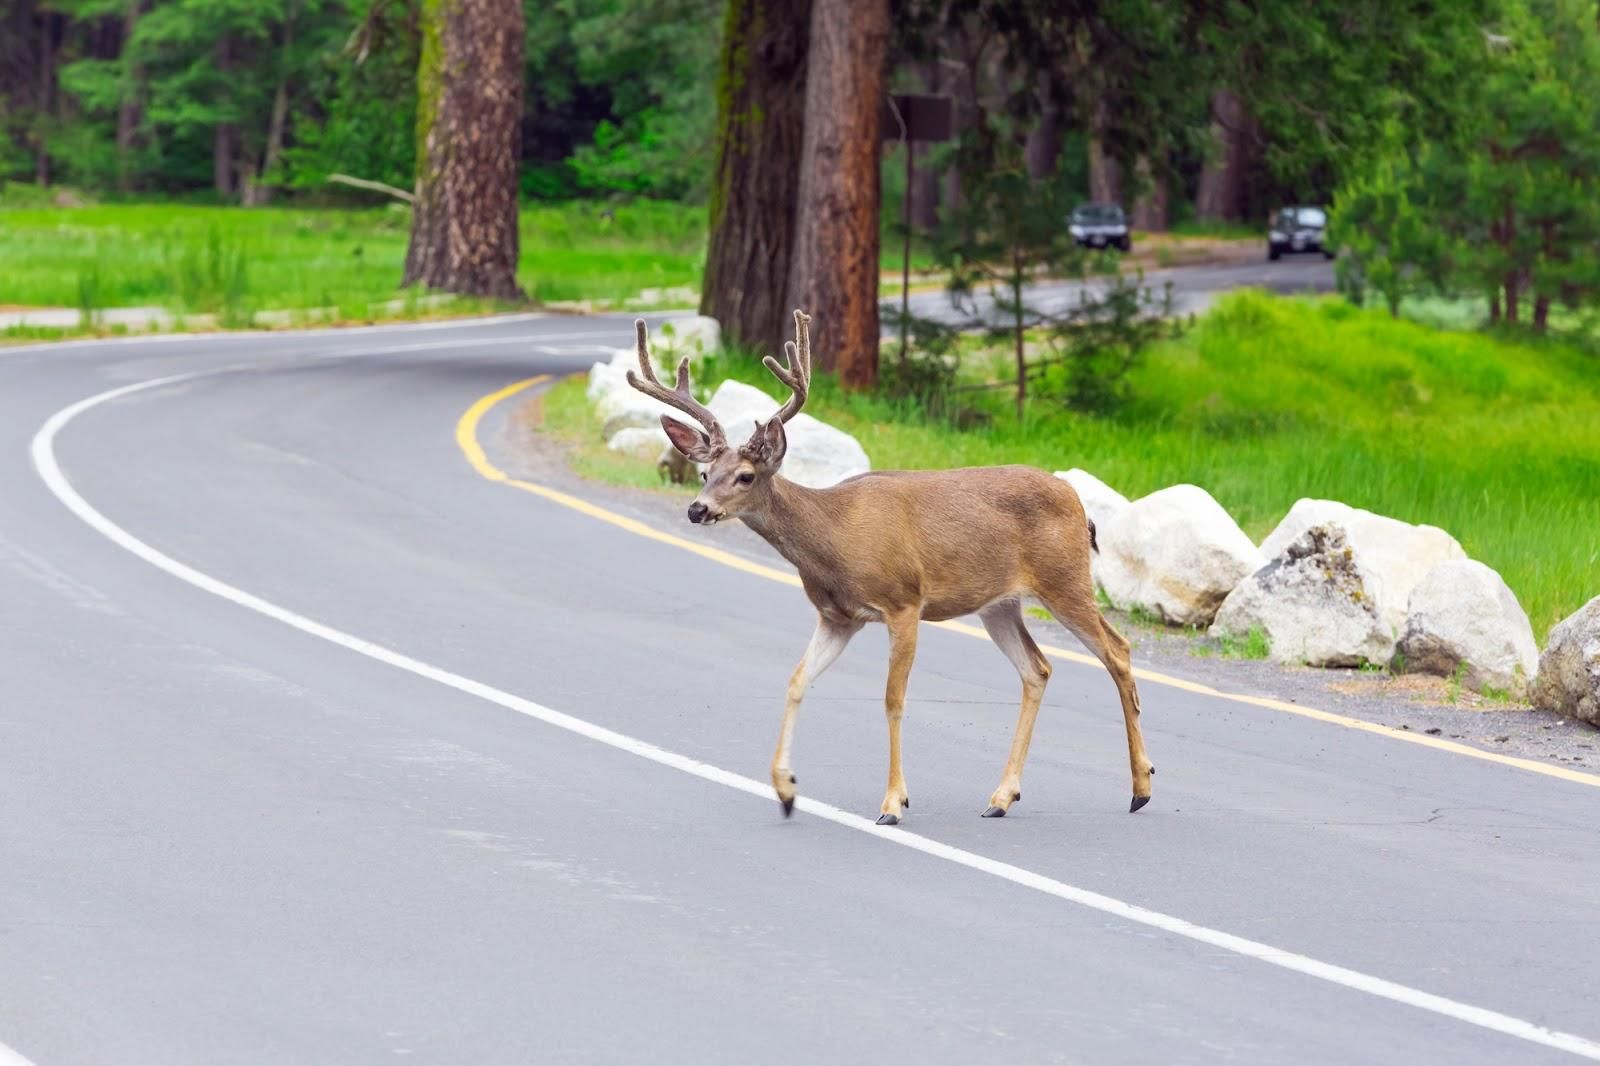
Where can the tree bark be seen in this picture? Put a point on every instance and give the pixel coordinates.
(1043, 149)
(128, 109)
(1221, 196)
(1105, 176)
(224, 136)
(49, 22)
(256, 192)
(1150, 209)
(756, 181)
(835, 273)
(469, 82)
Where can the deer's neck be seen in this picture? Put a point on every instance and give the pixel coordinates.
(796, 522)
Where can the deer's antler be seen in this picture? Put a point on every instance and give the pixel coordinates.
(680, 398)
(795, 371)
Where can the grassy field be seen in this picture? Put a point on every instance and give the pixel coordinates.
(1268, 400)
(231, 260)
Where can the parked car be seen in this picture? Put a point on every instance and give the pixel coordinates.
(1099, 226)
(1298, 229)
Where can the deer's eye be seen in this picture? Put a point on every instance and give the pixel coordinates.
(745, 478)
(702, 475)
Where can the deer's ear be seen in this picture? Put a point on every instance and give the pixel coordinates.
(692, 443)
(770, 442)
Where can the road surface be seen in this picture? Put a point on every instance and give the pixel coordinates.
(317, 745)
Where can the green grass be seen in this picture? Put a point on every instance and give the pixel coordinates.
(1268, 399)
(234, 261)
(1253, 645)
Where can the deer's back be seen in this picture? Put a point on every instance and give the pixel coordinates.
(954, 540)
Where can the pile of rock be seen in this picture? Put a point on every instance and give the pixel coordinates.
(1334, 585)
(819, 454)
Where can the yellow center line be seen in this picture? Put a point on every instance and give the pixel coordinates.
(467, 439)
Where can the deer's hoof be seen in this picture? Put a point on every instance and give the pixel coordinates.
(888, 819)
(788, 807)
(1138, 801)
(995, 812)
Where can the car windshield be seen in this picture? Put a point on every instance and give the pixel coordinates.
(1097, 213)
(1309, 216)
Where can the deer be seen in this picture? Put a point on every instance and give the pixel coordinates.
(900, 547)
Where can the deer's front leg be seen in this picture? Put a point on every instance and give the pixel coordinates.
(826, 644)
(902, 649)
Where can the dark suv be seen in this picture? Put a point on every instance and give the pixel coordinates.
(1099, 225)
(1299, 229)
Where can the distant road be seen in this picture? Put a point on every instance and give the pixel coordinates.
(1194, 288)
(320, 745)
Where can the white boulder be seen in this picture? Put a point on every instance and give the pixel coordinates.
(644, 444)
(1463, 614)
(696, 336)
(1313, 603)
(1101, 502)
(1395, 554)
(1569, 669)
(819, 455)
(1177, 553)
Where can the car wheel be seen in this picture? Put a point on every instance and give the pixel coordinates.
(1126, 244)
(1328, 253)
(1273, 252)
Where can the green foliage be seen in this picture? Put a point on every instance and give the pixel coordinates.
(1508, 203)
(1253, 645)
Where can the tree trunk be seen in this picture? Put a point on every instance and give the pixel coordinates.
(1105, 176)
(1043, 149)
(1150, 209)
(1541, 313)
(1508, 234)
(1222, 193)
(756, 181)
(49, 23)
(1494, 307)
(128, 106)
(469, 82)
(835, 273)
(224, 136)
(256, 192)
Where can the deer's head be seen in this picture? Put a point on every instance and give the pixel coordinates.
(735, 480)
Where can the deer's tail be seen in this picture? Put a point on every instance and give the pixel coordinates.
(1093, 542)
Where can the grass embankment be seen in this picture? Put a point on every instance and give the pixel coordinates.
(1267, 400)
(233, 261)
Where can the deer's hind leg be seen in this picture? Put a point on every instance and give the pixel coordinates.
(1004, 622)
(1071, 600)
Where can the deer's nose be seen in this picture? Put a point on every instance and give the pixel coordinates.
(697, 512)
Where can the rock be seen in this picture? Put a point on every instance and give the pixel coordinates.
(642, 443)
(635, 418)
(696, 336)
(1395, 554)
(1569, 669)
(1463, 614)
(1101, 502)
(1177, 553)
(1313, 602)
(819, 455)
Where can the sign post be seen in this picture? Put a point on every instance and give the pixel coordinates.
(910, 118)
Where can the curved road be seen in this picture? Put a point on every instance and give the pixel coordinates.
(317, 745)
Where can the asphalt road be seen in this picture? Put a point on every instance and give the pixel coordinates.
(318, 746)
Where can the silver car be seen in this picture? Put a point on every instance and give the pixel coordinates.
(1099, 226)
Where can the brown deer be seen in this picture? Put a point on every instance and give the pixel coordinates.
(899, 546)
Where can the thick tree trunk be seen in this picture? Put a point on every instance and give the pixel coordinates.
(255, 191)
(835, 273)
(469, 83)
(1150, 209)
(225, 135)
(1222, 193)
(1043, 149)
(756, 182)
(128, 109)
(1105, 175)
(49, 24)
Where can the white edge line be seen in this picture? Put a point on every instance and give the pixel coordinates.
(319, 331)
(42, 450)
(12, 1057)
